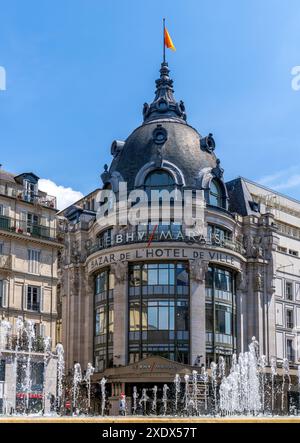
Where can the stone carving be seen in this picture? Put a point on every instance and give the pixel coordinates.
(248, 245)
(145, 110)
(218, 171)
(258, 251)
(120, 271)
(254, 246)
(241, 281)
(258, 284)
(198, 269)
(74, 281)
(159, 135)
(208, 143)
(75, 253)
(105, 176)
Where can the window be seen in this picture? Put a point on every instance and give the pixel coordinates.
(220, 311)
(34, 257)
(33, 298)
(290, 350)
(29, 191)
(215, 194)
(100, 327)
(218, 235)
(159, 311)
(104, 319)
(158, 180)
(282, 249)
(1, 248)
(289, 318)
(223, 319)
(294, 253)
(105, 239)
(289, 290)
(2, 370)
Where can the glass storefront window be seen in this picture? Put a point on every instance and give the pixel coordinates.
(104, 319)
(159, 299)
(101, 282)
(224, 320)
(220, 311)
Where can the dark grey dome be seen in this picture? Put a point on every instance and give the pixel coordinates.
(166, 141)
(159, 141)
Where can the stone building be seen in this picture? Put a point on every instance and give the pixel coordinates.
(145, 302)
(28, 273)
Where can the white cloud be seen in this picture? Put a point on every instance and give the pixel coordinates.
(65, 196)
(285, 179)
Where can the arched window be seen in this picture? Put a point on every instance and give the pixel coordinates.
(215, 194)
(159, 180)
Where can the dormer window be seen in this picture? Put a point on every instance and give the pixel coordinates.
(159, 180)
(30, 190)
(215, 194)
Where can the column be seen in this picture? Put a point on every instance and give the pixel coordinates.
(120, 313)
(198, 268)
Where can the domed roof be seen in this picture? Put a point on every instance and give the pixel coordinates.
(181, 148)
(164, 138)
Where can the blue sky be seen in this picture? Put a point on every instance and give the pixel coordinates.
(79, 71)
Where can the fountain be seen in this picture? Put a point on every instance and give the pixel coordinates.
(187, 398)
(103, 395)
(135, 396)
(195, 391)
(77, 378)
(214, 383)
(143, 400)
(165, 398)
(89, 372)
(177, 383)
(273, 375)
(285, 373)
(241, 389)
(154, 402)
(60, 374)
(205, 378)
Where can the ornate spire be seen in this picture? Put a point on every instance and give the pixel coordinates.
(164, 104)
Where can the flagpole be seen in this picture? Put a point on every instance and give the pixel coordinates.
(164, 46)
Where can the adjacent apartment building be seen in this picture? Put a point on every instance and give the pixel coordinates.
(28, 254)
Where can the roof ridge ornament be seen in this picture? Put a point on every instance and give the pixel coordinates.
(164, 104)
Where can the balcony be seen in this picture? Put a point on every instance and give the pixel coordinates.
(30, 230)
(5, 261)
(42, 198)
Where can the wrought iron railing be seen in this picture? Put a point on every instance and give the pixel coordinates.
(29, 229)
(41, 198)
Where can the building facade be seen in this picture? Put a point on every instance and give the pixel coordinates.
(28, 276)
(144, 302)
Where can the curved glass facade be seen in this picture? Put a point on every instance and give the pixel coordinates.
(159, 311)
(220, 313)
(104, 320)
